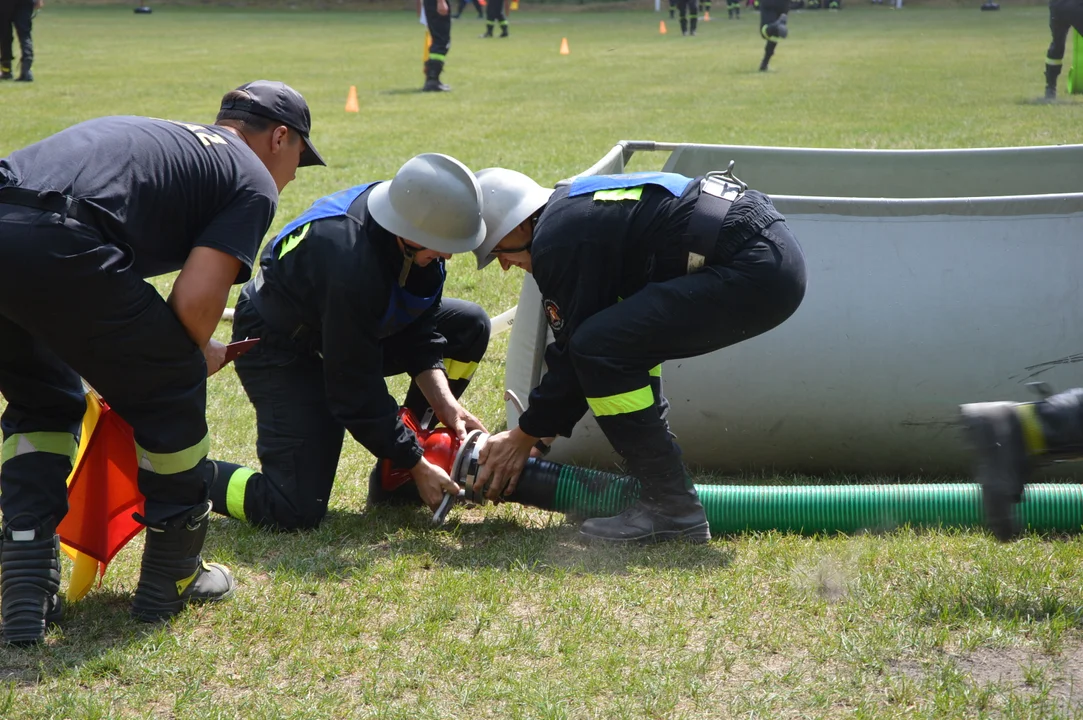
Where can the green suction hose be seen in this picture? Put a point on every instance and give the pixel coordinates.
(805, 509)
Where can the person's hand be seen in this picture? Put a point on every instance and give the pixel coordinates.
(432, 482)
(39, 4)
(215, 354)
(442, 8)
(502, 458)
(461, 422)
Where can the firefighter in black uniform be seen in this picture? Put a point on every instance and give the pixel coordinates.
(1063, 16)
(733, 9)
(85, 216)
(772, 27)
(494, 12)
(438, 20)
(689, 13)
(462, 6)
(634, 270)
(350, 292)
(20, 14)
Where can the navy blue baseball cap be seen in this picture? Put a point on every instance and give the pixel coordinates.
(279, 102)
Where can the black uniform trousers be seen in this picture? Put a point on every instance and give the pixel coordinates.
(17, 13)
(617, 352)
(439, 31)
(462, 6)
(299, 441)
(770, 12)
(71, 306)
(1063, 16)
(689, 14)
(494, 13)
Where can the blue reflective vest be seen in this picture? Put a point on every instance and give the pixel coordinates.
(672, 182)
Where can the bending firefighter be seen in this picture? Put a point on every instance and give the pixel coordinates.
(348, 293)
(634, 270)
(772, 27)
(1011, 439)
(1063, 16)
(85, 216)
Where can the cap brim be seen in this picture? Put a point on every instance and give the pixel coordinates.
(310, 156)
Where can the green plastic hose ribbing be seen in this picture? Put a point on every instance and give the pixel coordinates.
(812, 509)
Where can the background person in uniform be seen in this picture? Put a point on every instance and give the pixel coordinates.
(494, 13)
(85, 216)
(1063, 16)
(733, 9)
(462, 6)
(351, 292)
(689, 12)
(634, 270)
(438, 19)
(18, 14)
(772, 27)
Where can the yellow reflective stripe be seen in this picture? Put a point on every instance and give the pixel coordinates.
(623, 403)
(294, 240)
(437, 56)
(655, 371)
(55, 443)
(235, 490)
(633, 193)
(1033, 437)
(459, 370)
(183, 583)
(173, 463)
(1051, 61)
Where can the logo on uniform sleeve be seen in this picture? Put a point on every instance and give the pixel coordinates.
(552, 314)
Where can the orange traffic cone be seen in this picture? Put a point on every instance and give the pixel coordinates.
(351, 100)
(564, 47)
(661, 27)
(706, 16)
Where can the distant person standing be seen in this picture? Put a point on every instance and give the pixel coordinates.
(689, 13)
(494, 13)
(1063, 16)
(772, 26)
(462, 6)
(18, 14)
(438, 20)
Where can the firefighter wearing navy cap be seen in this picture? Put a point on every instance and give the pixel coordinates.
(85, 216)
(634, 270)
(348, 293)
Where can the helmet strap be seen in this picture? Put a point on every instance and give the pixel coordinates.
(408, 254)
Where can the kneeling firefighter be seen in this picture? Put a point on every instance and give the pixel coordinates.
(634, 270)
(348, 293)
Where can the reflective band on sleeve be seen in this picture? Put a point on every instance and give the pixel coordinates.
(623, 403)
(633, 193)
(459, 370)
(55, 443)
(235, 489)
(173, 463)
(655, 371)
(1033, 437)
(294, 240)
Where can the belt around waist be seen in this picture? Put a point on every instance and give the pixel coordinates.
(48, 201)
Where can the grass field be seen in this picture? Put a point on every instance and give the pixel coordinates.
(502, 614)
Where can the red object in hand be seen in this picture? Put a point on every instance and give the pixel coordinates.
(235, 349)
(439, 446)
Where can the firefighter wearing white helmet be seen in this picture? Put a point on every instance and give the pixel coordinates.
(347, 294)
(634, 270)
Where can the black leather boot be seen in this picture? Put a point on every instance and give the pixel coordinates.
(29, 582)
(1010, 439)
(668, 509)
(433, 68)
(24, 71)
(173, 572)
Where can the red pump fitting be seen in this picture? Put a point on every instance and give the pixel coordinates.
(440, 447)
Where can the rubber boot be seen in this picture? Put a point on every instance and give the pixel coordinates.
(684, 26)
(737, 12)
(780, 29)
(433, 68)
(488, 31)
(668, 509)
(767, 53)
(692, 26)
(29, 583)
(5, 73)
(672, 13)
(504, 30)
(173, 572)
(24, 71)
(1010, 439)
